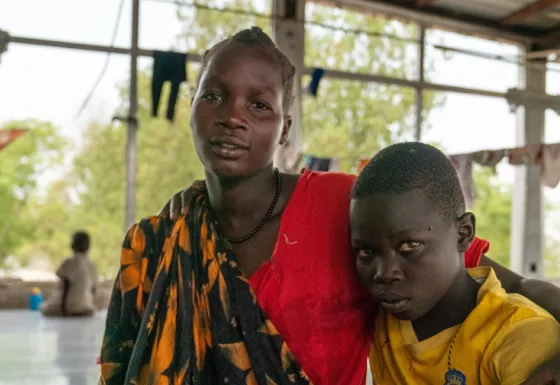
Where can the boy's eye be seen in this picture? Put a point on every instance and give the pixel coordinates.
(365, 253)
(409, 246)
(260, 106)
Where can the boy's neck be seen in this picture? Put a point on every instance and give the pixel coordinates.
(451, 310)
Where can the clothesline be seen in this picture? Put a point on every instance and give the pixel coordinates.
(546, 156)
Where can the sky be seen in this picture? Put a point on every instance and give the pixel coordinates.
(51, 83)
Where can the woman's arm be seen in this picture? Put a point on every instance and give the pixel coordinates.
(544, 294)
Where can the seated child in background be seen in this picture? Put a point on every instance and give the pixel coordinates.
(440, 323)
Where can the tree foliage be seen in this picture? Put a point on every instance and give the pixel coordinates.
(35, 153)
(493, 213)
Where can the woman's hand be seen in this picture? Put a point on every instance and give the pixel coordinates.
(547, 374)
(175, 207)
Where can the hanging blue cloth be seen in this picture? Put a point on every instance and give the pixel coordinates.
(316, 77)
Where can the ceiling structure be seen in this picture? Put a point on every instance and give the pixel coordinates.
(536, 20)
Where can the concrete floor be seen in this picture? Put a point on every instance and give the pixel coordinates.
(50, 351)
(35, 350)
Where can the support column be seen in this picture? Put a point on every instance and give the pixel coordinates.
(527, 241)
(131, 140)
(419, 90)
(289, 34)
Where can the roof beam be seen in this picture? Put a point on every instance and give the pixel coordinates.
(552, 36)
(423, 3)
(528, 12)
(431, 19)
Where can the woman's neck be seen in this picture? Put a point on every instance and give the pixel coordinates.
(451, 310)
(241, 200)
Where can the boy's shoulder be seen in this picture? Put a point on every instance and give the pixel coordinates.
(520, 335)
(502, 307)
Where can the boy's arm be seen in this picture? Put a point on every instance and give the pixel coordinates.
(522, 349)
(62, 271)
(544, 294)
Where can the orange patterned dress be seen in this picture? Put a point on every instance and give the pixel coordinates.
(182, 312)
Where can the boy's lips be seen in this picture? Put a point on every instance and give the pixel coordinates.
(392, 302)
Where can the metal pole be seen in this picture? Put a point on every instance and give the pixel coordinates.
(419, 90)
(362, 77)
(131, 142)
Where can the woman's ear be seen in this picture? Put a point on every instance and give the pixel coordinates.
(466, 229)
(286, 129)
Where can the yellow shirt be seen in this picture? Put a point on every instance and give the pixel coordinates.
(504, 339)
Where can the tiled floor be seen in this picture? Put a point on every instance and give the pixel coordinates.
(40, 351)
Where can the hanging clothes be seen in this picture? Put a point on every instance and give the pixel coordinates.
(4, 40)
(489, 158)
(171, 67)
(550, 165)
(314, 163)
(463, 165)
(8, 136)
(528, 155)
(316, 77)
(362, 163)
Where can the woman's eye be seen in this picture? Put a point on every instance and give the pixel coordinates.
(211, 96)
(409, 246)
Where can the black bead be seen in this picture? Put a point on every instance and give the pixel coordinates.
(265, 218)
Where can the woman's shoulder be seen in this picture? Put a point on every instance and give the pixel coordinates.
(333, 182)
(323, 195)
(148, 235)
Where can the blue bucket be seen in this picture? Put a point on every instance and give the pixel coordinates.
(35, 299)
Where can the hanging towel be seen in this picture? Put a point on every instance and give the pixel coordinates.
(171, 67)
(528, 155)
(489, 158)
(463, 165)
(314, 163)
(550, 165)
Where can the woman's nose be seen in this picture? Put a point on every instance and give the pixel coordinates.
(233, 115)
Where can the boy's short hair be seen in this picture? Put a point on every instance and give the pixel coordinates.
(409, 166)
(80, 241)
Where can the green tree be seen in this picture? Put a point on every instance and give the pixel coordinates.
(493, 214)
(38, 151)
(352, 119)
(492, 208)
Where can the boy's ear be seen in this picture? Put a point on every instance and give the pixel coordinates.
(466, 229)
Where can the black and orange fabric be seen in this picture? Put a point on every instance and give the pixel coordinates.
(182, 311)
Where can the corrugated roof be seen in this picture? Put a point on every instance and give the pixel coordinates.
(535, 19)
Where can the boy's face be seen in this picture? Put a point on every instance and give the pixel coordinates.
(407, 254)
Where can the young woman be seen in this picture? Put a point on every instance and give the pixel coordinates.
(255, 283)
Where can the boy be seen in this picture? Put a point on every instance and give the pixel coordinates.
(440, 323)
(78, 278)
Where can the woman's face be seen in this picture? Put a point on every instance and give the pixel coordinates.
(238, 116)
